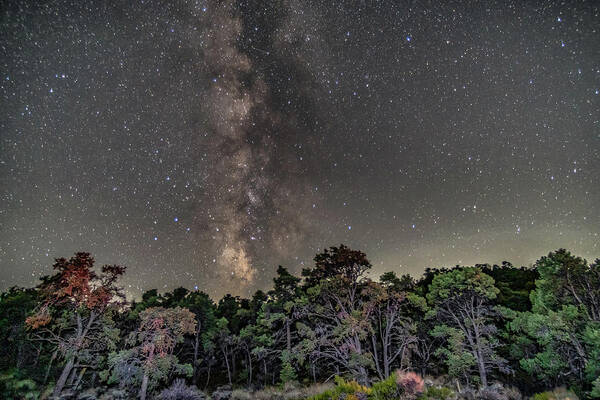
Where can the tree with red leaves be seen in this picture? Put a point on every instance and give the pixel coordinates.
(75, 314)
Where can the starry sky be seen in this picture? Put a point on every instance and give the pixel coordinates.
(202, 143)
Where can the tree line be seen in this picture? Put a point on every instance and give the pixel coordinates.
(534, 328)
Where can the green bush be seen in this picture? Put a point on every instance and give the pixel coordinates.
(12, 386)
(557, 394)
(434, 393)
(596, 389)
(287, 374)
(385, 390)
(344, 389)
(543, 396)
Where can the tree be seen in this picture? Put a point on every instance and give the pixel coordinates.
(204, 309)
(74, 313)
(514, 284)
(393, 332)
(283, 296)
(560, 337)
(338, 311)
(461, 301)
(153, 343)
(225, 342)
(15, 305)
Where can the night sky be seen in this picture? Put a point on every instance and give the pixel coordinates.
(203, 143)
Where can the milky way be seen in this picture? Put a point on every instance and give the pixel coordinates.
(202, 143)
(255, 195)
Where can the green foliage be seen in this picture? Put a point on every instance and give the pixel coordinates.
(543, 396)
(288, 373)
(385, 390)
(15, 305)
(13, 386)
(336, 320)
(462, 308)
(514, 284)
(343, 390)
(151, 348)
(459, 361)
(435, 393)
(595, 392)
(556, 394)
(562, 332)
(460, 280)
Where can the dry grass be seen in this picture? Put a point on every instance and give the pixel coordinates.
(290, 392)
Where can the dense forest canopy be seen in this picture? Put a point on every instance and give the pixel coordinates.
(530, 328)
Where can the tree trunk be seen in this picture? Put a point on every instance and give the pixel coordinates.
(20, 358)
(72, 377)
(249, 368)
(288, 335)
(362, 376)
(386, 362)
(376, 358)
(60, 384)
(208, 376)
(233, 372)
(144, 387)
(93, 379)
(265, 370)
(49, 366)
(228, 368)
(196, 350)
(482, 372)
(81, 373)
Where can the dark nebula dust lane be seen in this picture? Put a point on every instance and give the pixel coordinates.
(203, 143)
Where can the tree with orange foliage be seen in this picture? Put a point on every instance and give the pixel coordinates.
(75, 314)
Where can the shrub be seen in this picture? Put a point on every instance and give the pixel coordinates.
(180, 391)
(596, 389)
(400, 385)
(557, 394)
(387, 389)
(435, 393)
(287, 374)
(14, 386)
(343, 390)
(410, 383)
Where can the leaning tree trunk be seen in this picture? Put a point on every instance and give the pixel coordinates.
(79, 377)
(196, 350)
(228, 367)
(72, 377)
(60, 384)
(144, 387)
(49, 366)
